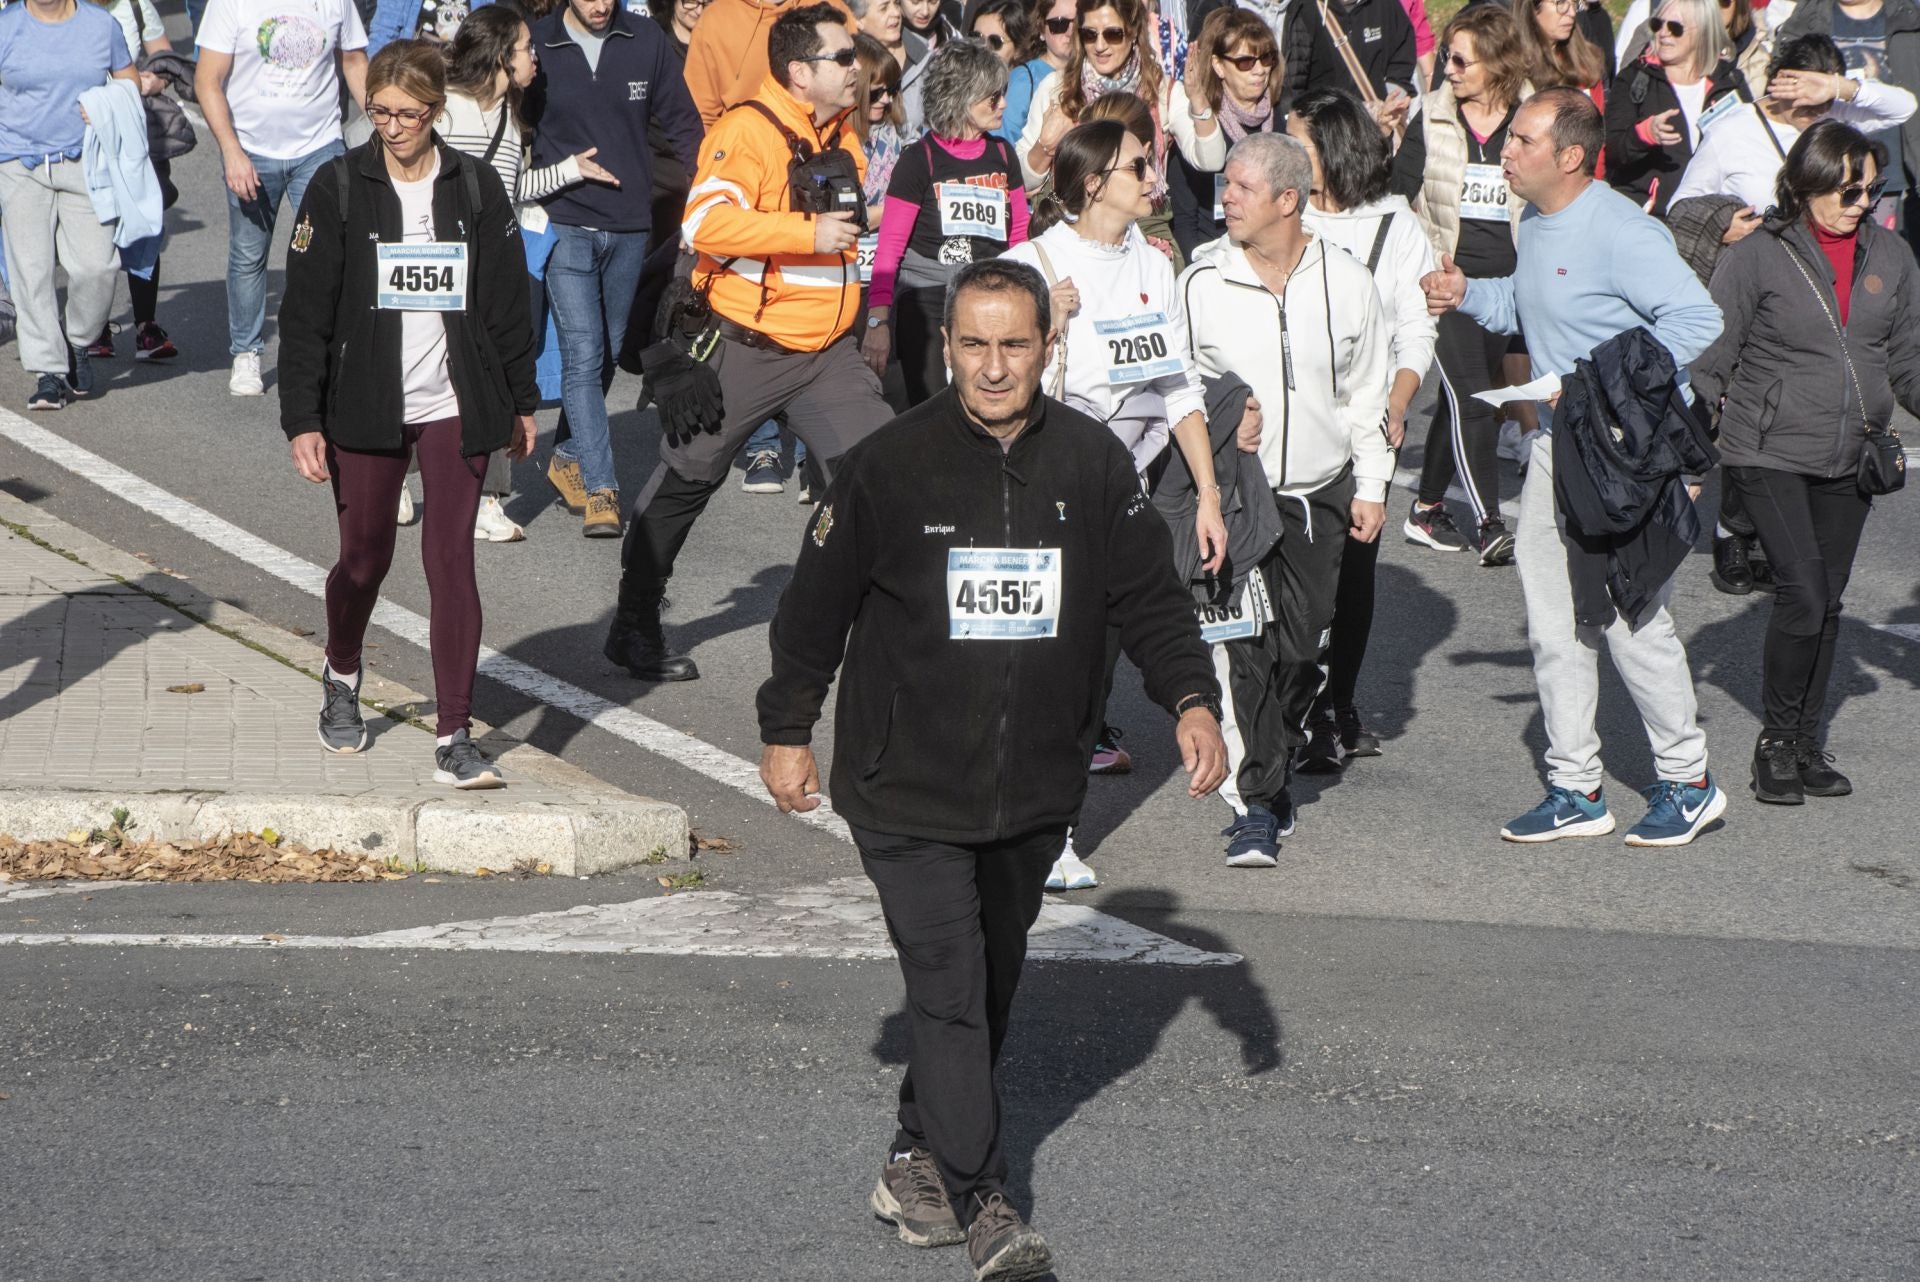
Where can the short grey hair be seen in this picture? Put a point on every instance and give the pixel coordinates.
(1279, 159)
(960, 73)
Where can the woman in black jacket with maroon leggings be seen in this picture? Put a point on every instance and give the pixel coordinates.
(1820, 343)
(405, 327)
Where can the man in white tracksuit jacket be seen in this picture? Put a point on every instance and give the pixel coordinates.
(1300, 321)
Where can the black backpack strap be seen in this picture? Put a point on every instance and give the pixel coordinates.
(470, 179)
(801, 150)
(1379, 243)
(341, 188)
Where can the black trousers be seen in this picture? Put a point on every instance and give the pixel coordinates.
(917, 317)
(1272, 680)
(1465, 431)
(1809, 527)
(1352, 624)
(958, 916)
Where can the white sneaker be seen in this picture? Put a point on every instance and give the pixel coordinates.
(406, 506)
(1070, 872)
(245, 379)
(491, 523)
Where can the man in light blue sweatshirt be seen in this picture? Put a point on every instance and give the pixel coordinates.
(1591, 265)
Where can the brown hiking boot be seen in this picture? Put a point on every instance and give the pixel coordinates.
(911, 1195)
(1001, 1246)
(564, 475)
(603, 515)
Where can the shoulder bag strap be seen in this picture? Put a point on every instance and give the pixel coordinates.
(1379, 242)
(1046, 269)
(499, 132)
(1338, 35)
(1838, 333)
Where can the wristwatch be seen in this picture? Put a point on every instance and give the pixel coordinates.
(1211, 702)
(875, 322)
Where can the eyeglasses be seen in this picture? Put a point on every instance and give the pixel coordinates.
(995, 98)
(1558, 6)
(1139, 166)
(1106, 35)
(1676, 29)
(840, 58)
(694, 4)
(1248, 61)
(411, 119)
(1060, 26)
(1858, 193)
(995, 41)
(1458, 63)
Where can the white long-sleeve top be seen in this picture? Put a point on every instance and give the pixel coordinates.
(466, 128)
(1128, 296)
(1175, 111)
(1406, 256)
(1736, 159)
(1316, 356)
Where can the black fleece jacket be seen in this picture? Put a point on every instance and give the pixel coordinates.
(340, 355)
(973, 740)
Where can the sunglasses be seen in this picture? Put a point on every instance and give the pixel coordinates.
(1139, 166)
(1248, 61)
(1458, 63)
(994, 41)
(411, 119)
(1106, 35)
(1059, 26)
(1676, 29)
(843, 58)
(884, 91)
(1859, 193)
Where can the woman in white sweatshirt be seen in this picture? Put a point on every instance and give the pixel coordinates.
(1123, 356)
(1351, 207)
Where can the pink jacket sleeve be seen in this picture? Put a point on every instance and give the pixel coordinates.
(896, 229)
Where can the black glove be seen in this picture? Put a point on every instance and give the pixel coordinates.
(686, 391)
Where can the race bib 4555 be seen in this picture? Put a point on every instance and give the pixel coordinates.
(1003, 594)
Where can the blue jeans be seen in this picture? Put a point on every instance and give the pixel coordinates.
(591, 279)
(250, 238)
(767, 437)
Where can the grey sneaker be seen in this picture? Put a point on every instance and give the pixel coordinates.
(460, 764)
(910, 1195)
(341, 729)
(1001, 1246)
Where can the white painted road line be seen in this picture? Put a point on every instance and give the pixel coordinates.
(839, 921)
(682, 749)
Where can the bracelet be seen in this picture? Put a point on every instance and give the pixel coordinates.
(1197, 115)
(1205, 488)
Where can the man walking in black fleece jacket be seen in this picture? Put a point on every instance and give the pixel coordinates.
(965, 564)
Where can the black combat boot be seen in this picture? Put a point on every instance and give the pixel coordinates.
(636, 641)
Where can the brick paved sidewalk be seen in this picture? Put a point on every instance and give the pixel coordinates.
(89, 718)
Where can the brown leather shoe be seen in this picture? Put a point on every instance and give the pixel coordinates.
(603, 515)
(910, 1195)
(564, 474)
(1001, 1246)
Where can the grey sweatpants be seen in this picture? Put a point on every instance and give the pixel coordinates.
(1566, 657)
(49, 218)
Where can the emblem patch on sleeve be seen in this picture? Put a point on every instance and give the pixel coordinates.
(822, 526)
(302, 235)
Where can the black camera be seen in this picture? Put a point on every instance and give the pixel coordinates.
(828, 184)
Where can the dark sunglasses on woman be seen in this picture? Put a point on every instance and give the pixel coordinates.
(1106, 35)
(1248, 61)
(994, 41)
(1139, 166)
(1059, 26)
(1852, 194)
(1656, 25)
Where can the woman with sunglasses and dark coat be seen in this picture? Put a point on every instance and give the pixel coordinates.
(955, 197)
(1240, 75)
(1660, 105)
(405, 329)
(1822, 340)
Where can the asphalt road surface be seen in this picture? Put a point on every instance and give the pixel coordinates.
(1441, 1056)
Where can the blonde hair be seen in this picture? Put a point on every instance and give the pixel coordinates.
(417, 68)
(1711, 43)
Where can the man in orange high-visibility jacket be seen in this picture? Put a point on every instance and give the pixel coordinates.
(784, 286)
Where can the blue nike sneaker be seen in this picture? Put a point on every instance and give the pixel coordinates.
(1676, 812)
(1253, 839)
(1564, 813)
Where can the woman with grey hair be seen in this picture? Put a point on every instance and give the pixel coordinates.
(956, 197)
(1658, 108)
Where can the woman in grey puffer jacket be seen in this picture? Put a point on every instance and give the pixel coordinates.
(1820, 341)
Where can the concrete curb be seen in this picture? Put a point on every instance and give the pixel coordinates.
(598, 829)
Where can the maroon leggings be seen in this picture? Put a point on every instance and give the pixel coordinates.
(366, 494)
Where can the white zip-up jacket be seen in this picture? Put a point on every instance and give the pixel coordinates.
(1317, 358)
(1405, 257)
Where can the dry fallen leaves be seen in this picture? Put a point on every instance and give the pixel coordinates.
(191, 687)
(241, 856)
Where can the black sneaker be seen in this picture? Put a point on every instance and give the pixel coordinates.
(341, 728)
(460, 764)
(763, 473)
(911, 1196)
(1495, 543)
(50, 393)
(80, 371)
(1324, 753)
(1434, 527)
(101, 348)
(1776, 772)
(1818, 778)
(1355, 737)
(1732, 568)
(1001, 1246)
